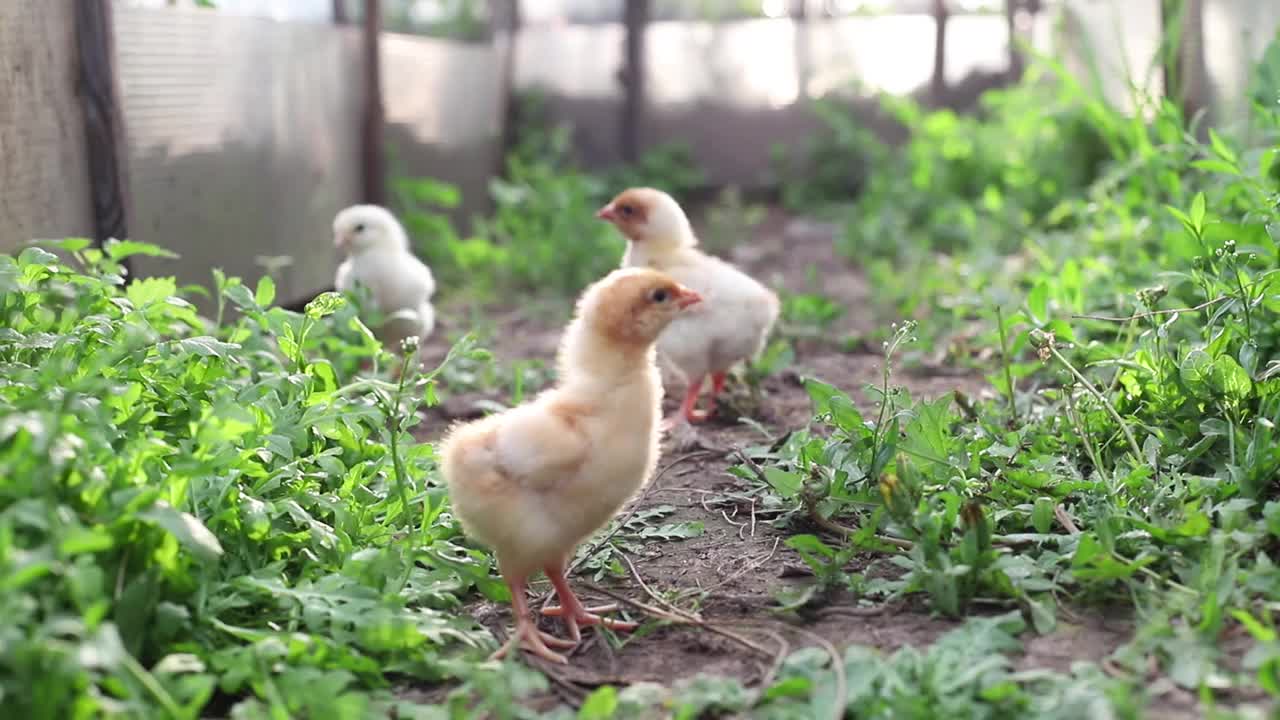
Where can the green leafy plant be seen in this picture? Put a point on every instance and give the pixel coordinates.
(669, 167)
(1128, 297)
(630, 533)
(192, 507)
(830, 167)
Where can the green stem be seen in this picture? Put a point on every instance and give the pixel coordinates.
(1244, 300)
(1159, 578)
(1128, 345)
(1008, 371)
(1231, 437)
(884, 403)
(153, 686)
(1124, 427)
(300, 359)
(397, 464)
(1084, 434)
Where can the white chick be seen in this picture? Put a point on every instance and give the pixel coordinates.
(733, 322)
(378, 257)
(535, 481)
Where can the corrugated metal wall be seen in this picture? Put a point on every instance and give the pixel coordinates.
(444, 110)
(244, 132)
(43, 175)
(1120, 38)
(732, 90)
(243, 140)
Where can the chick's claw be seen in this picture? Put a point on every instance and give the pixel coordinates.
(698, 416)
(575, 614)
(557, 611)
(591, 616)
(530, 639)
(586, 617)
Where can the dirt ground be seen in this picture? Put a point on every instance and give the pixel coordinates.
(734, 569)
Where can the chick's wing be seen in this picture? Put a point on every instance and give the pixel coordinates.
(539, 448)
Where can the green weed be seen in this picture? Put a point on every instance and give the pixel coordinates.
(1123, 271)
(196, 512)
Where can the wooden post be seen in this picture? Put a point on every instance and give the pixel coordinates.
(505, 18)
(1011, 8)
(938, 85)
(635, 19)
(804, 69)
(339, 12)
(1170, 39)
(373, 149)
(1182, 50)
(1195, 84)
(103, 122)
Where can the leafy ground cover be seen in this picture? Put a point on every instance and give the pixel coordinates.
(1012, 453)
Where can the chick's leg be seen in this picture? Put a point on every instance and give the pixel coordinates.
(717, 383)
(526, 634)
(572, 610)
(688, 409)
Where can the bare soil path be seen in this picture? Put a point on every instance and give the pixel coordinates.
(733, 571)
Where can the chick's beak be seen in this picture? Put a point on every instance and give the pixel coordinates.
(687, 297)
(341, 241)
(607, 213)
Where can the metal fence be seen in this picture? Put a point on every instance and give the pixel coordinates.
(731, 90)
(242, 133)
(242, 128)
(242, 140)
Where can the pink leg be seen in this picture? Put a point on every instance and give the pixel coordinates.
(526, 634)
(717, 382)
(688, 409)
(574, 613)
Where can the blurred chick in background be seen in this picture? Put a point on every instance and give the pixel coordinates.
(535, 481)
(377, 256)
(733, 322)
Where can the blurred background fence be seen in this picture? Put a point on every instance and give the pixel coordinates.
(239, 130)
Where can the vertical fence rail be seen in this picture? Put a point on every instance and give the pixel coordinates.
(505, 16)
(1011, 11)
(98, 92)
(374, 149)
(635, 21)
(938, 81)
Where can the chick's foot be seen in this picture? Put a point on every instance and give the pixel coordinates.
(688, 409)
(530, 639)
(699, 416)
(683, 437)
(586, 617)
(576, 615)
(526, 635)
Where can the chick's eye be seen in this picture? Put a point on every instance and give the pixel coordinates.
(359, 227)
(659, 295)
(627, 210)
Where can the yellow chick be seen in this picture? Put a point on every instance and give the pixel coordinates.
(535, 481)
(733, 323)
